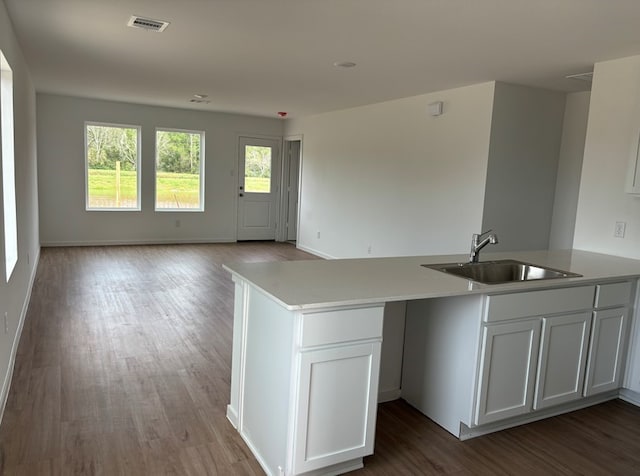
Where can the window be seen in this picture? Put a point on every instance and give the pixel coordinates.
(257, 169)
(113, 166)
(179, 170)
(8, 168)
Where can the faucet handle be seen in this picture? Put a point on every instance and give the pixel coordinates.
(476, 236)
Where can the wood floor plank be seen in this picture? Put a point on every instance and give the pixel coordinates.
(124, 368)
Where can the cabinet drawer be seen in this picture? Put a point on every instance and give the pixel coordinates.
(537, 303)
(614, 294)
(331, 327)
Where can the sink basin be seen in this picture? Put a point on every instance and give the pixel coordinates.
(501, 271)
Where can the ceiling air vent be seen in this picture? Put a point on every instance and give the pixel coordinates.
(588, 77)
(147, 24)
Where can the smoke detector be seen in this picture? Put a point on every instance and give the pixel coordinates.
(344, 64)
(147, 24)
(200, 99)
(588, 77)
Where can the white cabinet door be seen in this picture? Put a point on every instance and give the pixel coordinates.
(563, 355)
(337, 403)
(632, 371)
(606, 351)
(507, 370)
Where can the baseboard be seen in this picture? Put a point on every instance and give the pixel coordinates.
(630, 396)
(468, 433)
(389, 395)
(256, 454)
(315, 252)
(338, 468)
(168, 241)
(232, 416)
(6, 385)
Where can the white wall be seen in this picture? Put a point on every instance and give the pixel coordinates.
(523, 161)
(612, 135)
(391, 176)
(14, 295)
(392, 347)
(63, 218)
(565, 205)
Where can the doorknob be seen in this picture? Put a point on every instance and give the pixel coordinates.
(241, 195)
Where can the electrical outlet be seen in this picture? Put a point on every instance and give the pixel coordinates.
(318, 235)
(619, 230)
(177, 223)
(369, 250)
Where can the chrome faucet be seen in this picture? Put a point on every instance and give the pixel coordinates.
(477, 244)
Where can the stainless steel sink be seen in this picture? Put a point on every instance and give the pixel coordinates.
(501, 271)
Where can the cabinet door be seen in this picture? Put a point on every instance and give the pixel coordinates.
(606, 350)
(337, 403)
(563, 356)
(507, 370)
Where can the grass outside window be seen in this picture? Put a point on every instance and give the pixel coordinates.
(179, 170)
(113, 164)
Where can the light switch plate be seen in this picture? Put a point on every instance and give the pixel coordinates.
(435, 108)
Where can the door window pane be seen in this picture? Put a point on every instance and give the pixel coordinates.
(257, 169)
(179, 166)
(113, 167)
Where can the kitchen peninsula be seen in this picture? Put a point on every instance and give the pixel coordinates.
(477, 358)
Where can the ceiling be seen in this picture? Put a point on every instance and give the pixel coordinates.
(264, 56)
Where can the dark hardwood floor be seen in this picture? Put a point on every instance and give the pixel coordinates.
(124, 369)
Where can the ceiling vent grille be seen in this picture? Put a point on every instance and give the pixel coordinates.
(147, 24)
(588, 77)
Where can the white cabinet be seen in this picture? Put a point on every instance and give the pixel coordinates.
(337, 398)
(609, 336)
(510, 380)
(631, 390)
(304, 385)
(507, 369)
(503, 307)
(578, 353)
(336, 387)
(563, 355)
(606, 351)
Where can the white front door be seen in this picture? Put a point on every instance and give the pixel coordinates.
(259, 184)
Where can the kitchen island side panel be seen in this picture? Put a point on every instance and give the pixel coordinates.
(440, 358)
(237, 354)
(265, 393)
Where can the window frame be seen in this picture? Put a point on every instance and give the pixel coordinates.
(8, 169)
(138, 206)
(202, 134)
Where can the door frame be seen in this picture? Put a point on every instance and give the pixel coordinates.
(281, 225)
(236, 174)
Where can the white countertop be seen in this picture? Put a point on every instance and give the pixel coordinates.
(313, 284)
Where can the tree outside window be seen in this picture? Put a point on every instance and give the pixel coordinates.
(179, 170)
(112, 160)
(257, 169)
